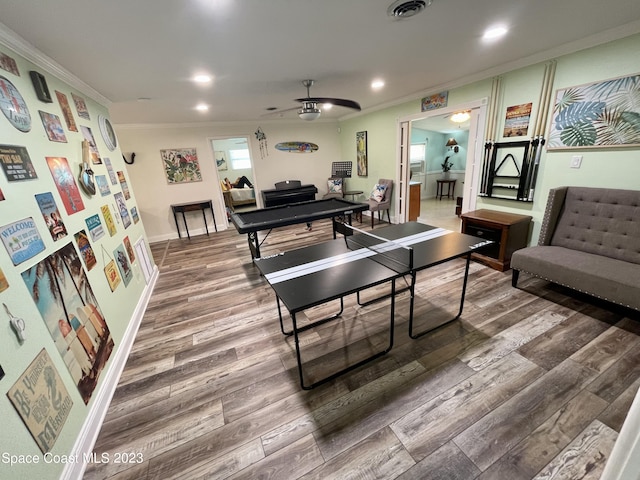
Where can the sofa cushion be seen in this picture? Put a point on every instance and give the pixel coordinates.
(600, 221)
(604, 277)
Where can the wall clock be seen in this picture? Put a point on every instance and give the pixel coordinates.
(13, 106)
(108, 134)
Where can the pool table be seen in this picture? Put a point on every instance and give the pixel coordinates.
(304, 212)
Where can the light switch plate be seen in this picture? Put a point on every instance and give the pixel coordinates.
(576, 161)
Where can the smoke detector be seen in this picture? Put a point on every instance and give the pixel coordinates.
(407, 8)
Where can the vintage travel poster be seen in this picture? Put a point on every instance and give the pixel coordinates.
(63, 295)
(122, 209)
(516, 122)
(129, 248)
(110, 171)
(51, 215)
(66, 111)
(93, 148)
(53, 127)
(86, 252)
(123, 184)
(134, 214)
(42, 401)
(108, 220)
(66, 184)
(95, 227)
(103, 185)
(22, 240)
(16, 163)
(111, 272)
(81, 106)
(126, 272)
(8, 64)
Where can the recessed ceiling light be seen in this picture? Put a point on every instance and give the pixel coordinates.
(202, 107)
(203, 78)
(495, 32)
(377, 84)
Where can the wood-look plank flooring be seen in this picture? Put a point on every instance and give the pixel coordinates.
(530, 383)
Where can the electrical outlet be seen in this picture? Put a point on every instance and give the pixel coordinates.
(576, 161)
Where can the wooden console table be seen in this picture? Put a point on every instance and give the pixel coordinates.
(510, 231)
(451, 188)
(190, 207)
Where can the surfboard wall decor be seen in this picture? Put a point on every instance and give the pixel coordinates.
(297, 147)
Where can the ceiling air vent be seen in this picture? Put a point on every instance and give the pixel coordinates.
(407, 8)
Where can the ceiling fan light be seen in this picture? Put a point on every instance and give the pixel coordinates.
(460, 117)
(309, 111)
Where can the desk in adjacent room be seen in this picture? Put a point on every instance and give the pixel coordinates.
(190, 207)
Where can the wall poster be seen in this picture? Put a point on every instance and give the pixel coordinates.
(361, 154)
(42, 401)
(601, 114)
(61, 291)
(66, 184)
(22, 240)
(516, 122)
(181, 165)
(16, 163)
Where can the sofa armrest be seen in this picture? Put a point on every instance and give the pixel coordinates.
(555, 203)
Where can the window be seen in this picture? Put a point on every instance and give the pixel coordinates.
(240, 158)
(416, 153)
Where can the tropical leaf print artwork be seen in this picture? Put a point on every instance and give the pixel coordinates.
(602, 114)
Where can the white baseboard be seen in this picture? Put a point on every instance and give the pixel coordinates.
(192, 232)
(93, 423)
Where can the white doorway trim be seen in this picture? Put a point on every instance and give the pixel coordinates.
(218, 188)
(475, 152)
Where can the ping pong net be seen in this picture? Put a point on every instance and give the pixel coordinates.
(389, 253)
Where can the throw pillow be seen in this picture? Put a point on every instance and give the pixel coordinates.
(334, 185)
(378, 192)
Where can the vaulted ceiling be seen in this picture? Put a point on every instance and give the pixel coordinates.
(141, 55)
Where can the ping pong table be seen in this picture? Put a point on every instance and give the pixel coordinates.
(303, 212)
(317, 274)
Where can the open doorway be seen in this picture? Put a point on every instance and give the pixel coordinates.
(441, 156)
(235, 172)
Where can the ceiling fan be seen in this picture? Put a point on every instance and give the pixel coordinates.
(310, 109)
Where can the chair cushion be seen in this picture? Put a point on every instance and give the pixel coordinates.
(378, 192)
(334, 185)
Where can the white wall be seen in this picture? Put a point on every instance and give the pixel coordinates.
(155, 195)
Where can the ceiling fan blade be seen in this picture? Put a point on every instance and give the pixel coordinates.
(276, 113)
(341, 102)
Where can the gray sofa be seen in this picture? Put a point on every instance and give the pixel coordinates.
(590, 242)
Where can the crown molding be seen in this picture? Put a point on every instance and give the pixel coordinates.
(19, 45)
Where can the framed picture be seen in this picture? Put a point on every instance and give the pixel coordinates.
(361, 153)
(596, 115)
(181, 165)
(221, 161)
(432, 102)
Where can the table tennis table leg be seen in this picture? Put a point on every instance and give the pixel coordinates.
(297, 330)
(314, 324)
(464, 290)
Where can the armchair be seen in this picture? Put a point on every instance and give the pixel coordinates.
(334, 188)
(384, 203)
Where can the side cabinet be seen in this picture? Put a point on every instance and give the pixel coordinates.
(510, 231)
